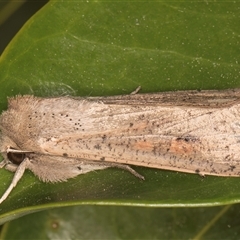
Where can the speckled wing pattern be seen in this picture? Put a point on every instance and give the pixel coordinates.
(186, 131)
(60, 138)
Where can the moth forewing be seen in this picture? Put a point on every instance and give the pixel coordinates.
(60, 138)
(201, 99)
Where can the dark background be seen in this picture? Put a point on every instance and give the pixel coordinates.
(16, 20)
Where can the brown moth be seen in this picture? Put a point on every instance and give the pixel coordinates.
(61, 137)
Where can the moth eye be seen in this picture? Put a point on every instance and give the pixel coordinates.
(16, 158)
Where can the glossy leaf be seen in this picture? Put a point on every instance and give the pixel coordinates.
(108, 222)
(106, 48)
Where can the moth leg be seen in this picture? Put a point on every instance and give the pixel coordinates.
(129, 169)
(17, 176)
(136, 90)
(11, 167)
(202, 175)
(8, 165)
(3, 163)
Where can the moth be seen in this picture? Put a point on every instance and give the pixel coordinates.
(61, 137)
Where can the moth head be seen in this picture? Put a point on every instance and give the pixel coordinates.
(15, 160)
(11, 151)
(16, 156)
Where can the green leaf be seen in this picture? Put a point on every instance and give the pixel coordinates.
(107, 48)
(108, 222)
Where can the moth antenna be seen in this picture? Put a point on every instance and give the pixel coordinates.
(17, 176)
